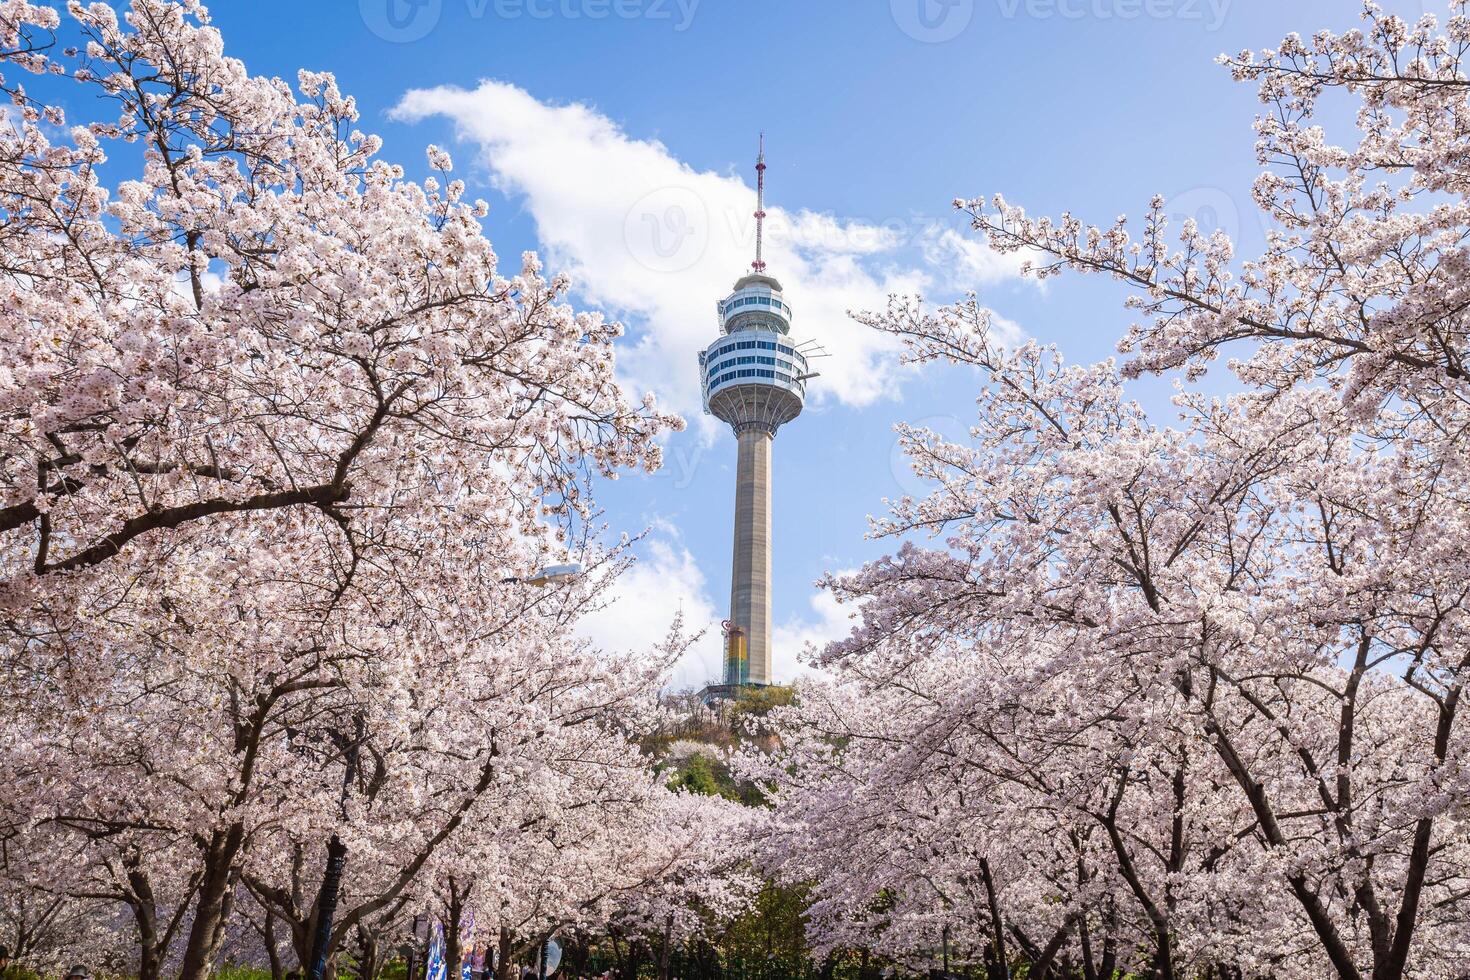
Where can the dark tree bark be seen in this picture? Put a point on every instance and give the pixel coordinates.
(411, 966)
(368, 963)
(1109, 964)
(504, 967)
(997, 953)
(326, 908)
(663, 953)
(454, 908)
(212, 907)
(1042, 968)
(268, 936)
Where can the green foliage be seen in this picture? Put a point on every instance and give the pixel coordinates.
(395, 969)
(773, 931)
(19, 971)
(757, 702)
(242, 971)
(703, 775)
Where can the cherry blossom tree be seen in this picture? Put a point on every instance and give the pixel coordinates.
(278, 445)
(507, 750)
(50, 915)
(1231, 651)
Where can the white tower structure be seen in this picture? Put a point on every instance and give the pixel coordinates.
(754, 378)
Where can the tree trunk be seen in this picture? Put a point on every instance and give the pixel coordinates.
(367, 962)
(1084, 938)
(574, 955)
(211, 908)
(155, 936)
(1163, 960)
(413, 950)
(504, 968)
(326, 908)
(453, 954)
(630, 956)
(301, 934)
(268, 933)
(663, 954)
(997, 924)
(150, 960)
(1109, 963)
(1042, 966)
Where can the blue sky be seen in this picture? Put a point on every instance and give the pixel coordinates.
(605, 123)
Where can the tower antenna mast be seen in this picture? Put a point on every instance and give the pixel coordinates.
(759, 265)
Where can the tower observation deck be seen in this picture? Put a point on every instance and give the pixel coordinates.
(754, 378)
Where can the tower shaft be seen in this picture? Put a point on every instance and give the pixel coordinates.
(754, 378)
(750, 577)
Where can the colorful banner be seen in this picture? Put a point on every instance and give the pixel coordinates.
(467, 945)
(434, 966)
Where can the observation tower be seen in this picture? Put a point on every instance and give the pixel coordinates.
(754, 377)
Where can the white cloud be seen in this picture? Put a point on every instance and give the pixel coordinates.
(656, 242)
(211, 282)
(795, 638)
(968, 261)
(664, 582)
